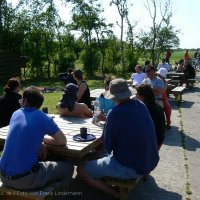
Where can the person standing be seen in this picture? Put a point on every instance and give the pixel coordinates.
(26, 140)
(162, 72)
(131, 147)
(167, 56)
(9, 102)
(186, 55)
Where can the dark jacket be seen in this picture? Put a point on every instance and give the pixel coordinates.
(9, 103)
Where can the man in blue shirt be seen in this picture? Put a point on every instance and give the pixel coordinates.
(19, 165)
(131, 146)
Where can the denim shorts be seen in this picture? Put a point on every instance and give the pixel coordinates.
(108, 166)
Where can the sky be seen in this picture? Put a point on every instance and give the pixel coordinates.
(186, 17)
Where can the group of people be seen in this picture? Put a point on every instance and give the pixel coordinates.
(130, 148)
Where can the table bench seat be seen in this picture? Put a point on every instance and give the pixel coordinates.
(45, 193)
(177, 92)
(124, 185)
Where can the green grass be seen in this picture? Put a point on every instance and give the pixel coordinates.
(51, 99)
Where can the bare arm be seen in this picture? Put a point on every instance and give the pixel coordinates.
(57, 139)
(82, 89)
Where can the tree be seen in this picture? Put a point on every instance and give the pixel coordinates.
(151, 39)
(122, 8)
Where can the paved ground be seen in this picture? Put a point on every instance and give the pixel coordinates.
(177, 173)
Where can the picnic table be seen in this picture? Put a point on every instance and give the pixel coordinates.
(70, 127)
(172, 74)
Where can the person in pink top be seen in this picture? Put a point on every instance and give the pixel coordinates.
(162, 72)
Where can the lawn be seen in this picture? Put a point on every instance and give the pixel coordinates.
(51, 99)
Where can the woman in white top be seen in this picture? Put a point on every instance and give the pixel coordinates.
(139, 76)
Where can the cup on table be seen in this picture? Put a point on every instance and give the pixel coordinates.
(83, 132)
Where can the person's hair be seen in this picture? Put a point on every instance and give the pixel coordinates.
(139, 67)
(78, 74)
(147, 62)
(33, 96)
(181, 61)
(108, 79)
(70, 70)
(151, 67)
(11, 85)
(146, 92)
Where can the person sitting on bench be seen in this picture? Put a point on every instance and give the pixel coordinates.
(26, 139)
(131, 147)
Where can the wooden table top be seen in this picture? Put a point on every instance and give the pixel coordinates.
(173, 73)
(70, 126)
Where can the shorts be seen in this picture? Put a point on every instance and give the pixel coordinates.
(109, 167)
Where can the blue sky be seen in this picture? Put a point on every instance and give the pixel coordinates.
(186, 18)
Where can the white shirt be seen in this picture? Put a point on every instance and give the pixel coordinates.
(138, 78)
(164, 65)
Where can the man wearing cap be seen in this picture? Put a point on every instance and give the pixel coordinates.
(156, 83)
(163, 64)
(131, 147)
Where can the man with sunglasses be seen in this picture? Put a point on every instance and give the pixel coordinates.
(20, 167)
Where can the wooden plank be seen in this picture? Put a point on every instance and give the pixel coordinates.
(70, 126)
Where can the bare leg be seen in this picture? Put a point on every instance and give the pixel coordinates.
(100, 184)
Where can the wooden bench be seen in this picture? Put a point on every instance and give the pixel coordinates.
(177, 92)
(124, 185)
(45, 193)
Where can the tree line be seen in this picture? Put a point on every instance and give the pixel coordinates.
(35, 29)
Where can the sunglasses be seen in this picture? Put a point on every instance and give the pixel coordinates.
(147, 71)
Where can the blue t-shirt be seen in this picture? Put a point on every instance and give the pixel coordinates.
(106, 104)
(129, 134)
(25, 135)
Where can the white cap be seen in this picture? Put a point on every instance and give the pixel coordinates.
(163, 72)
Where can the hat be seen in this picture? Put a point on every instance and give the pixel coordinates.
(163, 72)
(71, 88)
(118, 89)
(163, 59)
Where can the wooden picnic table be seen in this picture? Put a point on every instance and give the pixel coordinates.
(70, 126)
(96, 93)
(172, 74)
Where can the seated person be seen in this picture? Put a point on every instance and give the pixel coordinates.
(131, 147)
(68, 105)
(163, 64)
(155, 82)
(83, 95)
(68, 77)
(26, 139)
(139, 76)
(146, 95)
(189, 72)
(9, 102)
(106, 104)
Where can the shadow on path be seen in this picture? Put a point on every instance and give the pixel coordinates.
(149, 190)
